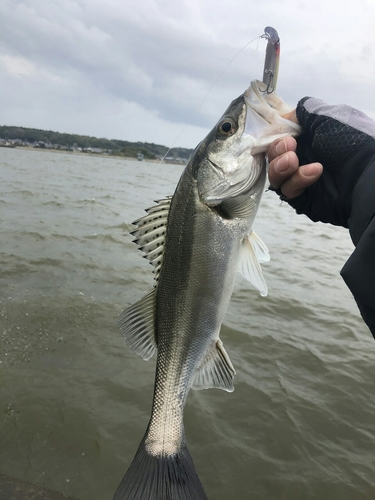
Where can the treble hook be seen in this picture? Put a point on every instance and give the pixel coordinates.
(271, 63)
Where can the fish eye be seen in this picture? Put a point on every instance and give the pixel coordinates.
(227, 127)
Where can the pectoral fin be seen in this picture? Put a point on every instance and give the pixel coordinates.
(242, 206)
(216, 370)
(259, 247)
(138, 327)
(253, 251)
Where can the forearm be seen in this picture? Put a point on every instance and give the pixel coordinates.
(341, 141)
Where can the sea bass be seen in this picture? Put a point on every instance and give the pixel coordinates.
(196, 240)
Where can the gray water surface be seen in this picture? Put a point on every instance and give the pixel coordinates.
(75, 401)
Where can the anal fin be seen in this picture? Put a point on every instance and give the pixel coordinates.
(216, 370)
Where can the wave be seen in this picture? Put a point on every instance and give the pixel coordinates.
(301, 415)
(53, 203)
(105, 237)
(125, 226)
(21, 192)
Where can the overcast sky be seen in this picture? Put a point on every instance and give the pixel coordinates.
(139, 70)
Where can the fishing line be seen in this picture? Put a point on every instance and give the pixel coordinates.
(57, 315)
(208, 93)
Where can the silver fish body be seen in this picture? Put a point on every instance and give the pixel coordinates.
(196, 241)
(194, 288)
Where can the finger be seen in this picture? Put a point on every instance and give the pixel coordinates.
(281, 146)
(304, 177)
(281, 168)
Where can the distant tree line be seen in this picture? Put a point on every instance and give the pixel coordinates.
(116, 147)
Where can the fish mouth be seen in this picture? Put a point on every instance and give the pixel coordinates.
(265, 108)
(223, 189)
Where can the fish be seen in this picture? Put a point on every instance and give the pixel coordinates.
(196, 240)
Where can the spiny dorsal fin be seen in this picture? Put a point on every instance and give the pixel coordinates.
(216, 370)
(137, 325)
(253, 251)
(150, 233)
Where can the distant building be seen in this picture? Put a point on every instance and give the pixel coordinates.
(95, 150)
(172, 159)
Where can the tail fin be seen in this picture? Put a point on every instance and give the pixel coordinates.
(161, 478)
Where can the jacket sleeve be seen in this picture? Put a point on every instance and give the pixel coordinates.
(343, 140)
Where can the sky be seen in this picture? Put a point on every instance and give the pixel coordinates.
(164, 71)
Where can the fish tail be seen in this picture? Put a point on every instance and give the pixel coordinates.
(170, 477)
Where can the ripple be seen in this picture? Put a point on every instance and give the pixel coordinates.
(301, 416)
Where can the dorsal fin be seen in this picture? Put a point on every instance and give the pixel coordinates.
(150, 233)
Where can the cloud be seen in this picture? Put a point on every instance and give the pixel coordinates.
(143, 70)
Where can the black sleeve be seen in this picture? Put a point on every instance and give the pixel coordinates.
(359, 274)
(343, 140)
(332, 137)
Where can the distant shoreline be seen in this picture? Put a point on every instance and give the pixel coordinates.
(11, 136)
(97, 155)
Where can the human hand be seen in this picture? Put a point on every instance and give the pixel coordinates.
(337, 137)
(285, 173)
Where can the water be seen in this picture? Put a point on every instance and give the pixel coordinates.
(75, 401)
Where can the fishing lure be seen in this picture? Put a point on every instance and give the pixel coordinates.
(271, 63)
